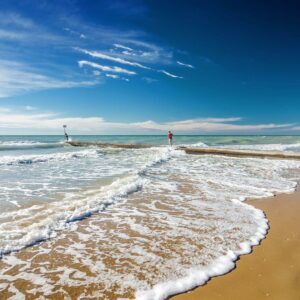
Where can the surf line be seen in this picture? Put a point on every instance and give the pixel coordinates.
(188, 150)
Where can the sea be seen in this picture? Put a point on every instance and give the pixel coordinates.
(111, 223)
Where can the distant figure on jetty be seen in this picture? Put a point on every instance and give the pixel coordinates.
(170, 137)
(66, 135)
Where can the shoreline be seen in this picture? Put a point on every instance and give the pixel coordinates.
(272, 269)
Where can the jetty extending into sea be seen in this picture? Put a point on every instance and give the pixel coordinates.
(212, 151)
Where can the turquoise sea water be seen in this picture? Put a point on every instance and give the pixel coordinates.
(211, 140)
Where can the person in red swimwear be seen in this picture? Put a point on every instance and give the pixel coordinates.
(170, 137)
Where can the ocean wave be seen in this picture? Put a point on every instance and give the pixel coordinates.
(265, 147)
(23, 145)
(42, 158)
(46, 220)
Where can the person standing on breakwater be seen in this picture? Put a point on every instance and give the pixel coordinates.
(170, 138)
(66, 135)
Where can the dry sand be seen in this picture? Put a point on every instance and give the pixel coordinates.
(272, 270)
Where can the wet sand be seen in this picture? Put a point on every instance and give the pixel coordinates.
(272, 270)
(105, 255)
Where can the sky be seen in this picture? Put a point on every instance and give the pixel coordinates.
(145, 67)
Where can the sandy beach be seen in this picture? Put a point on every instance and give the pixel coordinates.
(272, 270)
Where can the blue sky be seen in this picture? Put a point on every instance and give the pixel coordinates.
(144, 67)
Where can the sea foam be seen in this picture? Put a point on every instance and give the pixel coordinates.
(164, 222)
(44, 220)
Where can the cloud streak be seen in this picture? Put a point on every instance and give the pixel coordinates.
(123, 47)
(208, 125)
(98, 54)
(185, 65)
(169, 74)
(114, 69)
(112, 76)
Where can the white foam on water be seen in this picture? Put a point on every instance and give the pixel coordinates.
(226, 263)
(265, 147)
(20, 143)
(44, 221)
(25, 145)
(42, 158)
(167, 224)
(28, 226)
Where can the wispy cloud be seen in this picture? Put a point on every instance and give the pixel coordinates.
(123, 47)
(116, 59)
(15, 19)
(169, 74)
(15, 27)
(55, 44)
(8, 34)
(143, 51)
(98, 54)
(113, 69)
(76, 33)
(185, 65)
(17, 78)
(112, 76)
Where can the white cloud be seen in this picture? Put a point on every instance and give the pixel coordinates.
(48, 122)
(214, 120)
(74, 32)
(17, 78)
(105, 68)
(123, 47)
(35, 121)
(112, 76)
(98, 54)
(169, 74)
(144, 52)
(185, 65)
(208, 125)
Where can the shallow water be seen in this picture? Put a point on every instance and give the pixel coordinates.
(125, 224)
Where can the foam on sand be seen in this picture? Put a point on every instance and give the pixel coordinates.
(165, 223)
